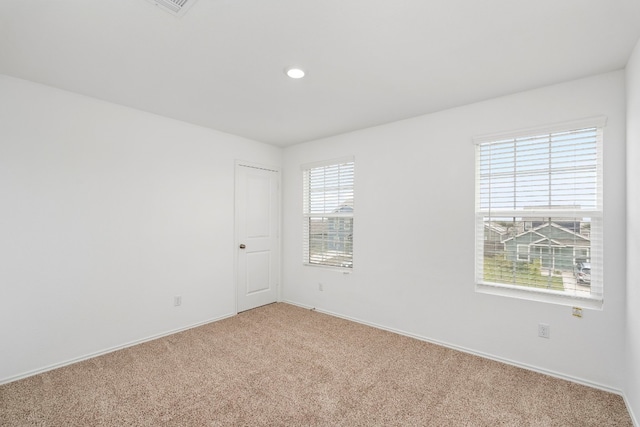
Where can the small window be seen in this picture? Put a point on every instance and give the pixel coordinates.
(328, 214)
(541, 191)
(523, 252)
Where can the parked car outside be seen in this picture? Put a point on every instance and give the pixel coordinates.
(582, 272)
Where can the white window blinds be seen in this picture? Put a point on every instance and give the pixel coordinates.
(328, 213)
(539, 210)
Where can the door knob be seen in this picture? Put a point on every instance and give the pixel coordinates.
(242, 246)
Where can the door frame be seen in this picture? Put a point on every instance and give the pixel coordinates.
(236, 226)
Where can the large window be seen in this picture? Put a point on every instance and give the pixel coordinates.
(328, 213)
(539, 212)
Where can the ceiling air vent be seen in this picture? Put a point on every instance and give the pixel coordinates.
(174, 7)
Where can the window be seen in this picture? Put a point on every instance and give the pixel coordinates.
(523, 252)
(539, 203)
(328, 213)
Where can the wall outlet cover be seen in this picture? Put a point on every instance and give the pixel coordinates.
(544, 330)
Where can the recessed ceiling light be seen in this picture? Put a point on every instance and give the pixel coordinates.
(295, 73)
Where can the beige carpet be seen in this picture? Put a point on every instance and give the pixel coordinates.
(284, 365)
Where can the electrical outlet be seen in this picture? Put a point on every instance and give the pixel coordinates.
(320, 286)
(544, 330)
(177, 301)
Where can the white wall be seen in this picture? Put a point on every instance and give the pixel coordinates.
(633, 234)
(106, 214)
(414, 234)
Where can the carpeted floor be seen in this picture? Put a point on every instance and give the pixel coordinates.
(282, 365)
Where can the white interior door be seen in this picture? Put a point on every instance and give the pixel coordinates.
(257, 235)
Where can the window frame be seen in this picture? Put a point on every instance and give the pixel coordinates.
(595, 298)
(339, 217)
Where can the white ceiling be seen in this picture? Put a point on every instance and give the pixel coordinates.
(368, 62)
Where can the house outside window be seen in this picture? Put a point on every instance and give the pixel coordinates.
(539, 212)
(328, 190)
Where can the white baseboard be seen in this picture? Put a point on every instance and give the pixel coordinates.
(470, 351)
(634, 419)
(109, 350)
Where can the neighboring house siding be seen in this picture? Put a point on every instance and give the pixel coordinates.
(556, 247)
(340, 233)
(493, 238)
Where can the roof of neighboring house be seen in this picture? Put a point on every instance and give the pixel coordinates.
(346, 206)
(545, 241)
(495, 227)
(572, 239)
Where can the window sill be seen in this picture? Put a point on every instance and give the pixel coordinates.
(550, 297)
(343, 270)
